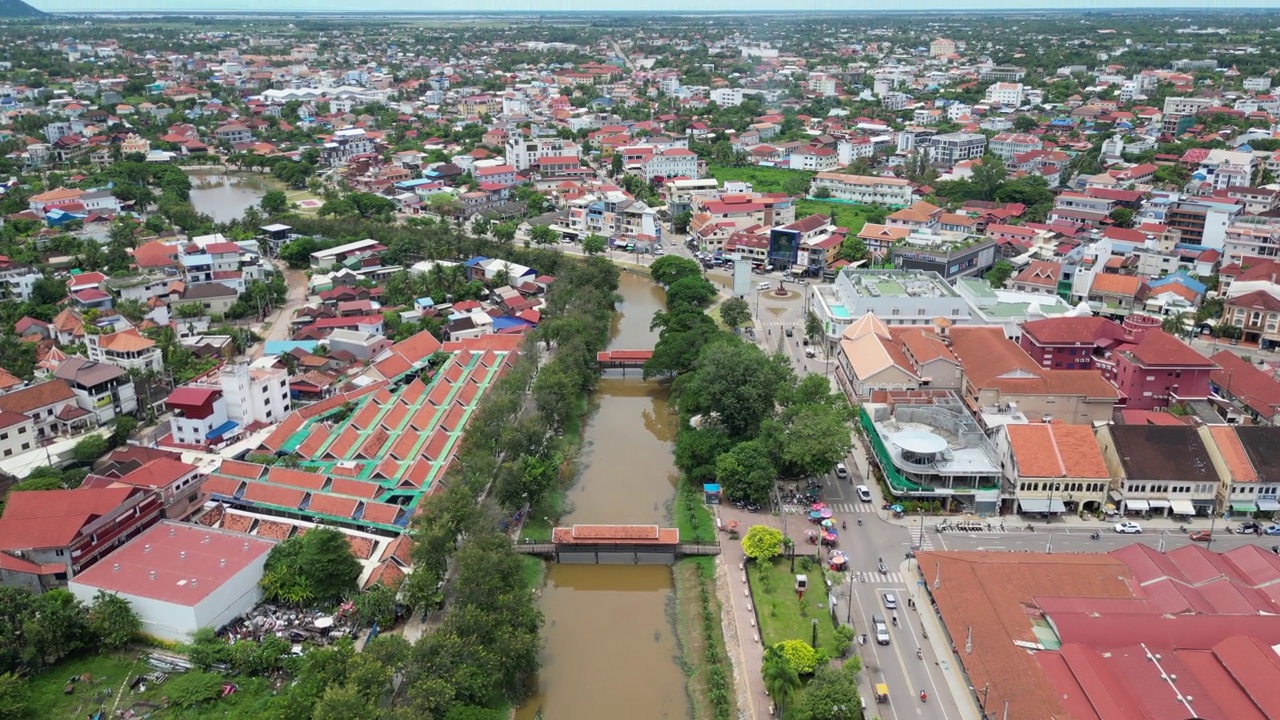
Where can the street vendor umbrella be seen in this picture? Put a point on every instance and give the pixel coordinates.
(828, 523)
(818, 506)
(826, 512)
(896, 508)
(815, 514)
(829, 537)
(838, 557)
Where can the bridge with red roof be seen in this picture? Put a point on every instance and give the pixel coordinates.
(612, 359)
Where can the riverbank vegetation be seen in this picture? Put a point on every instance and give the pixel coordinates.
(747, 420)
(697, 619)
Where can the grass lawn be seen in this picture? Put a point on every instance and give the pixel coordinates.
(782, 616)
(692, 518)
(762, 179)
(115, 671)
(846, 215)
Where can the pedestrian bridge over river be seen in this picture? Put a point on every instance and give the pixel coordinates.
(616, 545)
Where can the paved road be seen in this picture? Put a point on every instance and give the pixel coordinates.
(278, 321)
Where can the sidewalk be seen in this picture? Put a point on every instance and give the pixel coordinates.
(949, 663)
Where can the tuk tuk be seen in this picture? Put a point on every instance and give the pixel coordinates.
(882, 693)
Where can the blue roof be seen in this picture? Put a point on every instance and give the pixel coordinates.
(221, 430)
(1180, 279)
(506, 323)
(279, 347)
(475, 261)
(425, 302)
(710, 488)
(406, 184)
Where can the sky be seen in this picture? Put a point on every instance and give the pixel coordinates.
(181, 6)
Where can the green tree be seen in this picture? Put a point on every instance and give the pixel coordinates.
(681, 221)
(813, 439)
(190, 689)
(813, 328)
(762, 543)
(506, 232)
(315, 567)
(1025, 123)
(988, 176)
(781, 680)
(274, 202)
(832, 694)
(90, 448)
(1000, 273)
(668, 269)
(593, 244)
(1122, 217)
(14, 696)
(113, 621)
(735, 385)
(691, 291)
(132, 310)
(735, 312)
(1176, 324)
(543, 235)
(746, 472)
(802, 657)
(853, 249)
(122, 428)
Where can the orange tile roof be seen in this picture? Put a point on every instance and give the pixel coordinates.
(263, 493)
(1116, 284)
(1056, 451)
(296, 478)
(126, 341)
(236, 468)
(629, 534)
(453, 419)
(354, 488)
(1233, 453)
(381, 513)
(283, 431)
(435, 448)
(332, 505)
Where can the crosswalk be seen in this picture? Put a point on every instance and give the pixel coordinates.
(878, 578)
(847, 508)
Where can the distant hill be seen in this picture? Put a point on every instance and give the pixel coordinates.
(18, 9)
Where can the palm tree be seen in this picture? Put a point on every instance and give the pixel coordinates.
(1176, 324)
(780, 679)
(501, 278)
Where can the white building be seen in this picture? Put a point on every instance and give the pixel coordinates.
(671, 163)
(1006, 145)
(523, 152)
(865, 189)
(255, 394)
(180, 577)
(727, 97)
(199, 415)
(1008, 94)
(345, 145)
(820, 159)
(951, 148)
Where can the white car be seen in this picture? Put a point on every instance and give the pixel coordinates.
(890, 601)
(1128, 528)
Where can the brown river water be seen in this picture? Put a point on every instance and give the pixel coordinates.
(610, 649)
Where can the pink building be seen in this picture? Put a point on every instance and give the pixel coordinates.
(1150, 368)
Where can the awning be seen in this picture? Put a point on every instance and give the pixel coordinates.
(1243, 506)
(1140, 505)
(1268, 504)
(1041, 505)
(1159, 504)
(1183, 507)
(221, 430)
(1116, 496)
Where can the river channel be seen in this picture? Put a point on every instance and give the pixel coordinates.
(610, 649)
(225, 197)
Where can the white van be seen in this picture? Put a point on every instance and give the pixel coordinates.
(864, 493)
(764, 286)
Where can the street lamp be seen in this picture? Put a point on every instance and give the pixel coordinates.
(1049, 514)
(848, 620)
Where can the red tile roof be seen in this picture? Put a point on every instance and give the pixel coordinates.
(332, 505)
(36, 519)
(264, 494)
